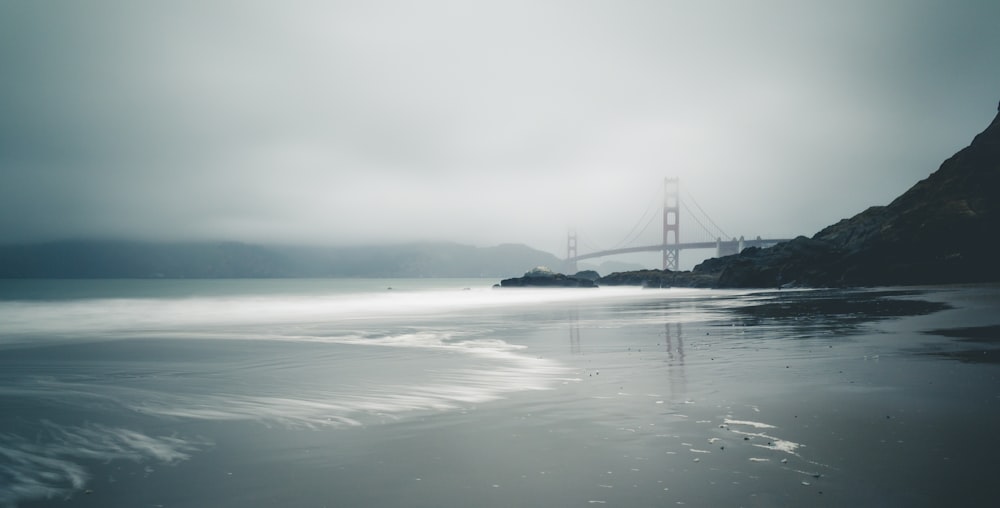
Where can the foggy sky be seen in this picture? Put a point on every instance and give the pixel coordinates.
(478, 122)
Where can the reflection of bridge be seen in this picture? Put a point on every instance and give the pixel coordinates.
(671, 245)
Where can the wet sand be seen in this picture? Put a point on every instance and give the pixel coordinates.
(814, 398)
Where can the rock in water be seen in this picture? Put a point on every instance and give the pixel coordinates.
(543, 277)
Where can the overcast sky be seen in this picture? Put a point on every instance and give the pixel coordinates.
(479, 122)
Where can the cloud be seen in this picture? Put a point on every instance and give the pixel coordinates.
(325, 121)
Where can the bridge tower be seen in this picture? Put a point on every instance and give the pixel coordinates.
(671, 208)
(571, 252)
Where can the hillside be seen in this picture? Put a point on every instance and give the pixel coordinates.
(942, 230)
(121, 259)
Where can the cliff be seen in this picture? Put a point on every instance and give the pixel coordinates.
(941, 230)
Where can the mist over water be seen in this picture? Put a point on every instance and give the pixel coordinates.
(303, 392)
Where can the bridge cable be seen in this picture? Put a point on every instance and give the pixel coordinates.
(652, 217)
(630, 236)
(637, 231)
(695, 217)
(585, 243)
(719, 230)
(700, 219)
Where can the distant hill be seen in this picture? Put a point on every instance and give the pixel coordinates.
(944, 229)
(123, 259)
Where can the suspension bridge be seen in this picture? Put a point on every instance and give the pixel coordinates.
(670, 245)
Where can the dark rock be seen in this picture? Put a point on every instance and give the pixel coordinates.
(543, 277)
(660, 279)
(941, 230)
(587, 274)
(799, 262)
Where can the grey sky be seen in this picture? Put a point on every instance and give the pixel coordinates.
(478, 122)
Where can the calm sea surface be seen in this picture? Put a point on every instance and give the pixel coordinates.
(448, 393)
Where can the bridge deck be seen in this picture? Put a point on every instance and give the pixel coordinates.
(679, 246)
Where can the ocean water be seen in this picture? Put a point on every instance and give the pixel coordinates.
(449, 393)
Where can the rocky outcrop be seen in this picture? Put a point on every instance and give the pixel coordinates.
(543, 277)
(660, 279)
(587, 274)
(942, 230)
(799, 262)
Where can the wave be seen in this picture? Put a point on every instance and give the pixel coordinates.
(49, 465)
(502, 369)
(89, 318)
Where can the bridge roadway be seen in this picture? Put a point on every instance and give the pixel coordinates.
(718, 245)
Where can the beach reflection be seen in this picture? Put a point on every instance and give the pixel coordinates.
(673, 340)
(574, 331)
